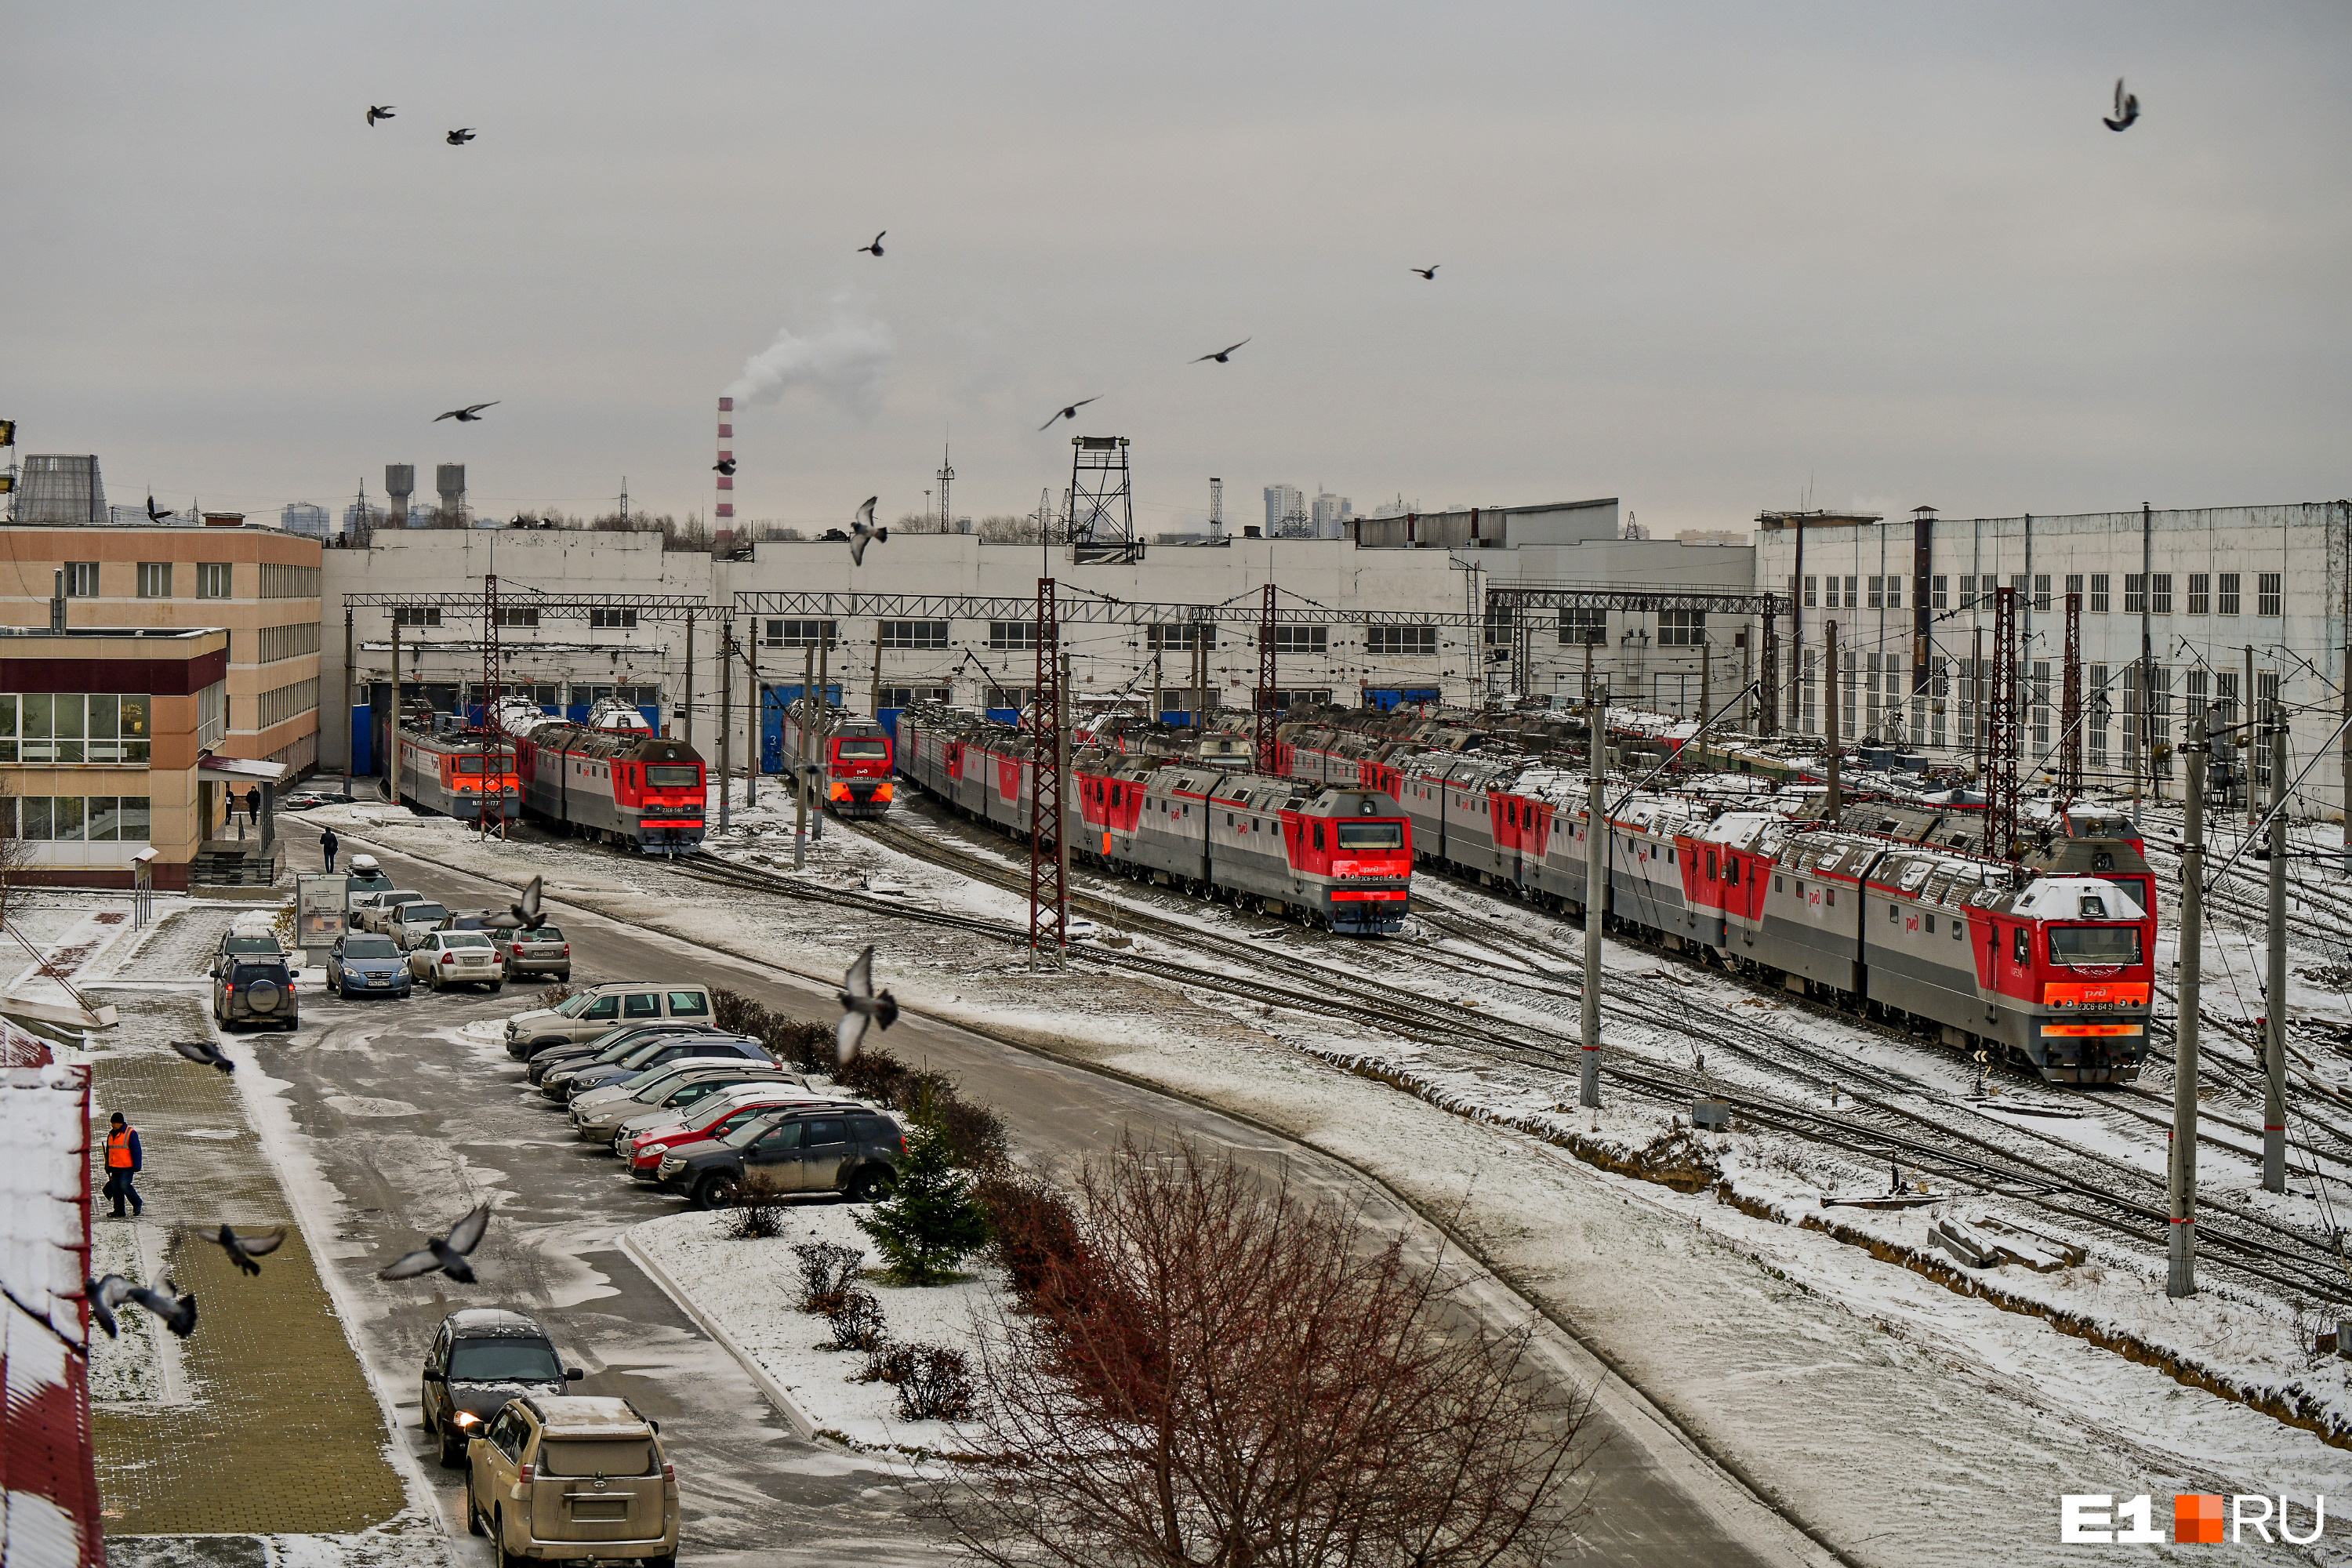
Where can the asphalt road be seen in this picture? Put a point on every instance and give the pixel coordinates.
(409, 1124)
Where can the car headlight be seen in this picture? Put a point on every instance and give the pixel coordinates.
(671, 1165)
(468, 1418)
(657, 1148)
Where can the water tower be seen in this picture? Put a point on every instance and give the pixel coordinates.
(449, 479)
(399, 484)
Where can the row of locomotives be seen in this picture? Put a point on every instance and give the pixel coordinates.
(464, 774)
(1337, 858)
(851, 755)
(621, 784)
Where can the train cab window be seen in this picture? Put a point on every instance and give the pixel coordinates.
(1778, 884)
(1893, 913)
(1670, 857)
(1955, 928)
(1829, 897)
(1931, 925)
(2095, 944)
(1710, 866)
(2019, 949)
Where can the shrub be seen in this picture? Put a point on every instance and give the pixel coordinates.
(755, 1217)
(888, 1361)
(857, 1323)
(931, 1221)
(828, 1270)
(1032, 1231)
(934, 1385)
(873, 1074)
(553, 994)
(795, 1042)
(975, 1133)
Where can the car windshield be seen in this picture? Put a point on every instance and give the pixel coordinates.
(414, 915)
(748, 1130)
(646, 1051)
(719, 1110)
(572, 1006)
(504, 1360)
(464, 939)
(1372, 834)
(2095, 944)
(864, 751)
(250, 944)
(370, 947)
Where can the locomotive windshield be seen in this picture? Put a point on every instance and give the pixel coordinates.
(669, 778)
(472, 763)
(2095, 944)
(1372, 834)
(864, 751)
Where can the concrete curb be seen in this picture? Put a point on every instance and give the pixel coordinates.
(784, 1402)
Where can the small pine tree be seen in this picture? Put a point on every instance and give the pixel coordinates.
(932, 1220)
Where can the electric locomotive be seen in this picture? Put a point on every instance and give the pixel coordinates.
(624, 785)
(851, 756)
(453, 771)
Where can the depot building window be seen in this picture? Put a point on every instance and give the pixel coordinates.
(915, 633)
(74, 727)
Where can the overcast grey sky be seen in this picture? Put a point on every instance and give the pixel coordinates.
(1693, 256)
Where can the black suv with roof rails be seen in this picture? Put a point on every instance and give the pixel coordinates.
(480, 1358)
(838, 1146)
(255, 989)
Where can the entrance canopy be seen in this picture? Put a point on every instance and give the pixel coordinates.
(239, 770)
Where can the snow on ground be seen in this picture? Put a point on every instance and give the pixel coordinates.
(749, 1287)
(1873, 1404)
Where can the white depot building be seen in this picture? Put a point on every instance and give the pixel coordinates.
(1412, 616)
(2214, 604)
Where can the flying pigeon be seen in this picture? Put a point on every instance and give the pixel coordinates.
(1072, 410)
(459, 138)
(725, 465)
(467, 415)
(1429, 274)
(1222, 356)
(243, 1250)
(2127, 109)
(874, 248)
(862, 532)
(106, 1298)
(203, 1053)
(378, 111)
(444, 1253)
(525, 915)
(155, 515)
(859, 1003)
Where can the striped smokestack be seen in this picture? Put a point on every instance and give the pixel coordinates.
(726, 510)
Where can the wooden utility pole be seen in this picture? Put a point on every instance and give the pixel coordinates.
(1596, 891)
(2180, 1276)
(2274, 1002)
(1836, 695)
(726, 720)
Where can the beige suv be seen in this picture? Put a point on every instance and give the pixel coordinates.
(570, 1477)
(615, 1005)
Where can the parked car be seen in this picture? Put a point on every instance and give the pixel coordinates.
(442, 958)
(367, 876)
(619, 1001)
(480, 1358)
(250, 937)
(362, 964)
(566, 1081)
(546, 950)
(413, 922)
(255, 988)
(836, 1148)
(713, 1120)
(528, 1483)
(374, 913)
(311, 796)
(611, 1046)
(602, 1113)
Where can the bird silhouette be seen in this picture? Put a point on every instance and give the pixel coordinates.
(874, 248)
(459, 138)
(2127, 109)
(1222, 356)
(1428, 273)
(862, 532)
(860, 1007)
(725, 465)
(446, 1253)
(468, 414)
(1072, 410)
(107, 1297)
(203, 1053)
(243, 1250)
(378, 111)
(524, 914)
(155, 515)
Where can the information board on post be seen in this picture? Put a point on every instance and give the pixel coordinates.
(322, 907)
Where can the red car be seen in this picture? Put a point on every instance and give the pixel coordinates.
(706, 1124)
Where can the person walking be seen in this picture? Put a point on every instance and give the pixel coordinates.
(123, 1158)
(329, 844)
(253, 806)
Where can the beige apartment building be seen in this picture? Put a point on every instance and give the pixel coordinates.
(259, 585)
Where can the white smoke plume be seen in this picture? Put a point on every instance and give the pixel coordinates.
(841, 361)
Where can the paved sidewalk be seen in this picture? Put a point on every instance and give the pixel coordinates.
(283, 1435)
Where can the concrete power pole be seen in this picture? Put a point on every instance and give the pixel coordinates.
(392, 720)
(1831, 715)
(2274, 1002)
(1596, 894)
(687, 711)
(2181, 1277)
(823, 647)
(755, 712)
(351, 743)
(799, 763)
(726, 718)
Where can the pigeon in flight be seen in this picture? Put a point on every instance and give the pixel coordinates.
(468, 414)
(524, 914)
(459, 138)
(204, 1054)
(243, 1250)
(862, 532)
(1429, 274)
(859, 1003)
(725, 465)
(1222, 356)
(874, 248)
(378, 111)
(106, 1298)
(2127, 109)
(1072, 410)
(156, 515)
(444, 1253)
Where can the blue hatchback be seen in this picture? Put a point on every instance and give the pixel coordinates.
(365, 964)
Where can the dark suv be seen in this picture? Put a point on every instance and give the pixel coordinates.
(481, 1358)
(837, 1147)
(255, 989)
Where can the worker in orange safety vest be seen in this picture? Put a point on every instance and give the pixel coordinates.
(124, 1158)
